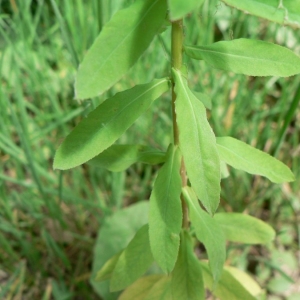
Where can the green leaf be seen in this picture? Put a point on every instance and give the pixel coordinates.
(179, 8)
(121, 42)
(208, 232)
(141, 288)
(228, 287)
(108, 268)
(287, 13)
(198, 145)
(244, 229)
(118, 158)
(249, 57)
(161, 290)
(224, 170)
(206, 101)
(114, 235)
(165, 216)
(187, 281)
(244, 157)
(133, 262)
(104, 125)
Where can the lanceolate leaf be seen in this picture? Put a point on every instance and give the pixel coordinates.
(249, 57)
(227, 288)
(208, 232)
(206, 101)
(133, 262)
(179, 8)
(118, 158)
(165, 216)
(161, 290)
(198, 145)
(106, 124)
(244, 229)
(286, 13)
(187, 281)
(244, 157)
(122, 41)
(139, 289)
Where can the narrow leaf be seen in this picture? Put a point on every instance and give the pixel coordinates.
(244, 157)
(165, 216)
(118, 158)
(224, 170)
(244, 229)
(140, 289)
(161, 290)
(179, 8)
(208, 232)
(108, 268)
(228, 287)
(198, 145)
(282, 12)
(249, 57)
(133, 262)
(206, 101)
(104, 125)
(187, 281)
(121, 42)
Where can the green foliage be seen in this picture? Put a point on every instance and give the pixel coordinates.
(115, 51)
(165, 215)
(249, 57)
(244, 157)
(198, 146)
(178, 8)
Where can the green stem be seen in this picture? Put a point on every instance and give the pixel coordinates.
(177, 49)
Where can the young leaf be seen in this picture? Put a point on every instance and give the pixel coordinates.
(198, 145)
(161, 290)
(106, 271)
(228, 287)
(133, 262)
(121, 42)
(244, 229)
(208, 232)
(165, 217)
(244, 157)
(224, 170)
(187, 281)
(104, 125)
(118, 158)
(179, 8)
(249, 57)
(285, 13)
(141, 288)
(206, 101)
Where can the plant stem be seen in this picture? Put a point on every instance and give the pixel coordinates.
(177, 43)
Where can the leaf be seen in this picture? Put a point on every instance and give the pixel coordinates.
(165, 218)
(244, 157)
(104, 125)
(187, 281)
(249, 57)
(106, 271)
(114, 235)
(139, 289)
(133, 262)
(179, 8)
(287, 13)
(198, 145)
(120, 44)
(244, 229)
(208, 232)
(224, 170)
(161, 290)
(118, 158)
(228, 287)
(206, 101)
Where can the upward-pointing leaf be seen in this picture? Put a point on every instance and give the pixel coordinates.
(249, 57)
(106, 124)
(179, 8)
(165, 216)
(122, 41)
(208, 232)
(198, 145)
(244, 157)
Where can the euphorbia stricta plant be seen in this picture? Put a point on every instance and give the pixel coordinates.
(186, 192)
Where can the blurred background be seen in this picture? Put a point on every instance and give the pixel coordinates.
(50, 220)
